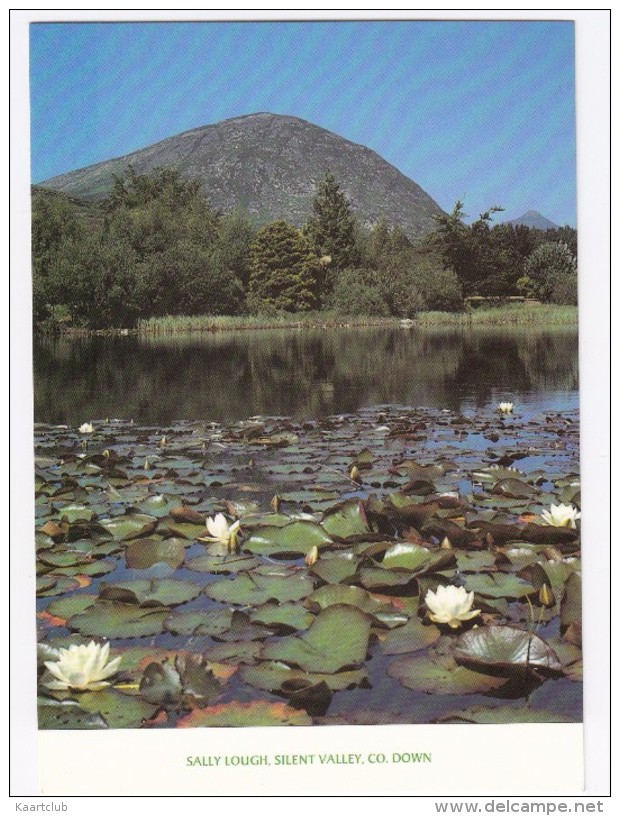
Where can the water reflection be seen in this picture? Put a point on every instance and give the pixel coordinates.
(301, 373)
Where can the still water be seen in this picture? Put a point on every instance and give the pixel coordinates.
(302, 373)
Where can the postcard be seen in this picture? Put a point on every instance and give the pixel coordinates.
(313, 387)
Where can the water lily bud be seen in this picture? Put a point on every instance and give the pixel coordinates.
(354, 474)
(313, 556)
(162, 442)
(446, 544)
(546, 596)
(275, 504)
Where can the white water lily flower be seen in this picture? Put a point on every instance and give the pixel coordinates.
(86, 428)
(221, 531)
(85, 668)
(505, 407)
(451, 605)
(561, 515)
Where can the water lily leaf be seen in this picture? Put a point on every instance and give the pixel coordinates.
(91, 568)
(67, 715)
(74, 604)
(65, 558)
(151, 592)
(275, 676)
(503, 715)
(547, 534)
(161, 685)
(474, 561)
(235, 714)
(111, 619)
(200, 686)
(124, 528)
(235, 652)
(52, 584)
(441, 676)
(570, 607)
(443, 528)
(406, 556)
(514, 489)
(184, 530)
(145, 552)
(504, 648)
(254, 588)
(378, 579)
(498, 585)
(199, 622)
(118, 710)
(411, 637)
(333, 568)
(291, 541)
(332, 594)
(242, 629)
(76, 512)
(182, 514)
(346, 521)
(285, 616)
(158, 506)
(337, 639)
(495, 473)
(217, 564)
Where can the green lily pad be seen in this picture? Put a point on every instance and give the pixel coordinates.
(198, 622)
(66, 558)
(275, 676)
(255, 588)
(151, 592)
(504, 648)
(411, 637)
(498, 585)
(235, 652)
(337, 639)
(286, 616)
(333, 568)
(111, 619)
(158, 506)
(124, 528)
(406, 556)
(67, 715)
(391, 581)
(76, 512)
(291, 541)
(513, 488)
(346, 521)
(242, 629)
(222, 564)
(52, 584)
(184, 530)
(146, 552)
(91, 568)
(333, 594)
(255, 713)
(502, 715)
(118, 710)
(441, 676)
(72, 605)
(570, 607)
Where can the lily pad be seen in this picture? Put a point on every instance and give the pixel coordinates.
(111, 619)
(346, 521)
(441, 675)
(275, 676)
(222, 564)
(287, 616)
(151, 592)
(504, 648)
(333, 594)
(498, 585)
(72, 605)
(117, 709)
(124, 528)
(406, 556)
(487, 715)
(291, 541)
(337, 639)
(144, 553)
(52, 584)
(235, 714)
(67, 715)
(334, 568)
(570, 608)
(411, 637)
(195, 622)
(255, 588)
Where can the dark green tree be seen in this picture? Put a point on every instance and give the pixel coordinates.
(331, 230)
(283, 270)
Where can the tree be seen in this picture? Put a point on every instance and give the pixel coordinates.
(331, 229)
(553, 270)
(283, 270)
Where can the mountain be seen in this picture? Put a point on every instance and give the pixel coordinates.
(270, 166)
(534, 219)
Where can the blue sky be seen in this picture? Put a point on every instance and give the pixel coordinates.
(475, 110)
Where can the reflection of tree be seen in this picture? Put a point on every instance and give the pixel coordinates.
(302, 373)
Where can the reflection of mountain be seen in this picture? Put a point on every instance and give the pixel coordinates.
(308, 373)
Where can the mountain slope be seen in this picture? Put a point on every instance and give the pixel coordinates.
(534, 219)
(270, 165)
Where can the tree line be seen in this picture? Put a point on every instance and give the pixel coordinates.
(155, 247)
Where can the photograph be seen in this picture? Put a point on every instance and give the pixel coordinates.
(306, 372)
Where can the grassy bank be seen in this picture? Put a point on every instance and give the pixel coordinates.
(543, 314)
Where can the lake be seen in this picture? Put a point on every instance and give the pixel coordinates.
(303, 373)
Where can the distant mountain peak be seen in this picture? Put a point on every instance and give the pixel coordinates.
(270, 165)
(534, 219)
